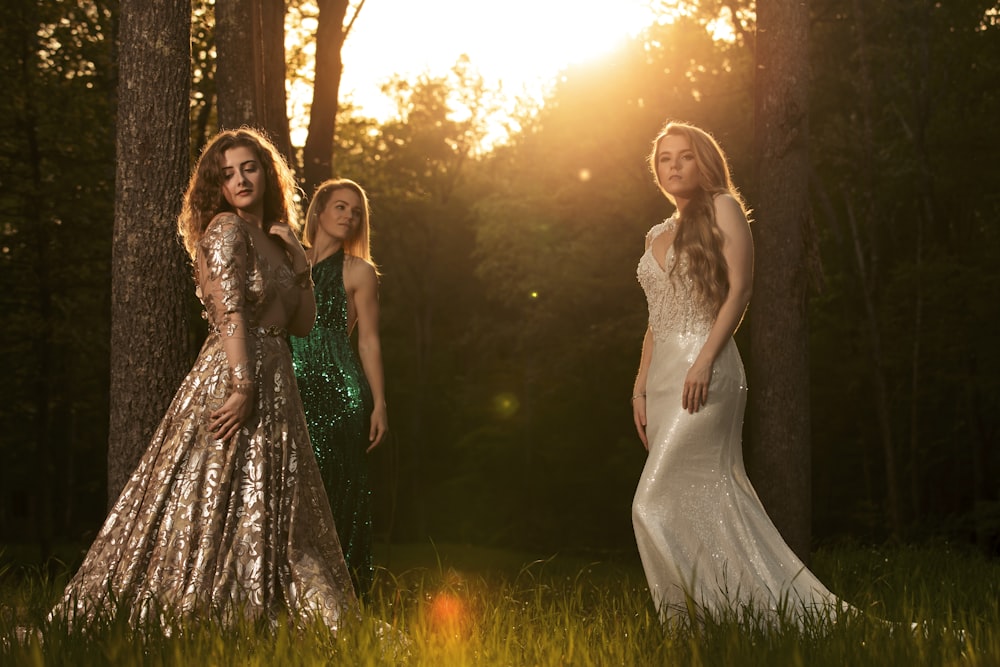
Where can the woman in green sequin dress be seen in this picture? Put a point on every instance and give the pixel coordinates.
(343, 391)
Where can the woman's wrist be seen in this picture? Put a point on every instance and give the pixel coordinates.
(304, 278)
(245, 388)
(640, 394)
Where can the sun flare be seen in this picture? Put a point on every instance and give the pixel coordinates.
(519, 45)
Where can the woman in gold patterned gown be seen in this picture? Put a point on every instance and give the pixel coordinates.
(226, 514)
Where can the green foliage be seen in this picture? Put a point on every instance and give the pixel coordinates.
(204, 119)
(415, 169)
(902, 106)
(461, 606)
(56, 210)
(511, 314)
(564, 210)
(512, 320)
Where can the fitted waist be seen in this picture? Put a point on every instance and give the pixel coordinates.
(682, 337)
(273, 331)
(258, 331)
(334, 328)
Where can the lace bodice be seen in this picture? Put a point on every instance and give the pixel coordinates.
(675, 307)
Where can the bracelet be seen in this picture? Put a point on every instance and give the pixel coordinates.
(642, 395)
(245, 388)
(304, 278)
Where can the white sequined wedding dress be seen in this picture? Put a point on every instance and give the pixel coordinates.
(703, 534)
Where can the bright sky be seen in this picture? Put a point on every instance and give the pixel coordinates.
(520, 43)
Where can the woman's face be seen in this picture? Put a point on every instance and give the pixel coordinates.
(342, 216)
(243, 181)
(676, 168)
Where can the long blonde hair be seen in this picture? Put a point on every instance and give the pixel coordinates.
(359, 243)
(204, 199)
(698, 236)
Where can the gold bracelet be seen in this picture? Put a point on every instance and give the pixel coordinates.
(245, 388)
(642, 395)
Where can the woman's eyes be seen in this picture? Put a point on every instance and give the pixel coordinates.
(248, 169)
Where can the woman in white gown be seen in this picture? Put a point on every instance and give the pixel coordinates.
(703, 536)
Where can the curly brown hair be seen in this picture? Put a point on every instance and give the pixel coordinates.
(204, 199)
(698, 235)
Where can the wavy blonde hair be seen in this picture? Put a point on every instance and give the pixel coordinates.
(359, 243)
(698, 235)
(204, 199)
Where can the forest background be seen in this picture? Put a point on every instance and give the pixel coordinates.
(512, 318)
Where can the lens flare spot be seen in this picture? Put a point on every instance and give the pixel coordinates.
(506, 404)
(449, 616)
(584, 175)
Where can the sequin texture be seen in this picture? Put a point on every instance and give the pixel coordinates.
(338, 405)
(701, 530)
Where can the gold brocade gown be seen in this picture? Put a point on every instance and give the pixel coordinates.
(229, 529)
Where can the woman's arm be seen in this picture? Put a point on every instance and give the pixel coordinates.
(222, 270)
(364, 292)
(639, 388)
(301, 321)
(738, 250)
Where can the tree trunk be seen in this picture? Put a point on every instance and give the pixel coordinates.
(250, 68)
(317, 155)
(150, 276)
(779, 392)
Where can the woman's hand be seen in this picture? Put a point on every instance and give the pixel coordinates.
(379, 427)
(737, 248)
(639, 416)
(699, 376)
(300, 320)
(234, 413)
(287, 238)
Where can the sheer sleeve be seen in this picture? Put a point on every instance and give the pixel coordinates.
(223, 255)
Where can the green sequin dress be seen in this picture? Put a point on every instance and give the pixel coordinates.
(338, 406)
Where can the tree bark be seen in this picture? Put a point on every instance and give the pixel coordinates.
(250, 68)
(317, 155)
(779, 392)
(150, 275)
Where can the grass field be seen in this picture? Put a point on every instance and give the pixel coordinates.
(443, 605)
